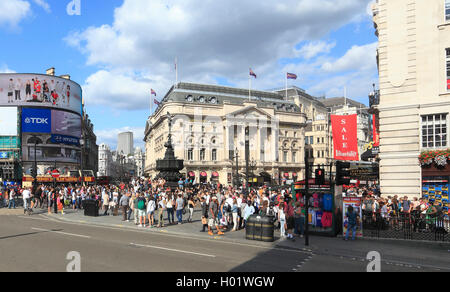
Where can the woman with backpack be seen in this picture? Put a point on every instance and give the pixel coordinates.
(234, 211)
(352, 218)
(151, 207)
(191, 205)
(141, 209)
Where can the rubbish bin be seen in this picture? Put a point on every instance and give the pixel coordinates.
(260, 228)
(90, 208)
(250, 228)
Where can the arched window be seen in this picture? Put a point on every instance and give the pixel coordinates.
(34, 140)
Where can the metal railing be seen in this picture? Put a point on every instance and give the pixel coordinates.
(409, 226)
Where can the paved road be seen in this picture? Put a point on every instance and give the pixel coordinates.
(38, 243)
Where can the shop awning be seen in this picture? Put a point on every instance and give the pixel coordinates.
(203, 174)
(191, 174)
(215, 174)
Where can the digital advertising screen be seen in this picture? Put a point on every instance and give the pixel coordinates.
(8, 121)
(64, 127)
(37, 90)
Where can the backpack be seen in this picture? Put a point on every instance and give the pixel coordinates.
(141, 204)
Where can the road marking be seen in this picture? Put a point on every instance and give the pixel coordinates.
(179, 235)
(33, 218)
(176, 250)
(60, 232)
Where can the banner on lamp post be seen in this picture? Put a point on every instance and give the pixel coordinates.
(376, 135)
(345, 138)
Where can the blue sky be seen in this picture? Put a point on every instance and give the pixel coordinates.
(117, 50)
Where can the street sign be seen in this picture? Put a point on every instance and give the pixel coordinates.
(55, 173)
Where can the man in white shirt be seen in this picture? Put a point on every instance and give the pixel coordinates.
(26, 194)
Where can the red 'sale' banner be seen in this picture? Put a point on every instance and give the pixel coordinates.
(376, 135)
(345, 137)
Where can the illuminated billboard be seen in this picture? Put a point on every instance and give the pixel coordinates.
(8, 121)
(38, 90)
(64, 127)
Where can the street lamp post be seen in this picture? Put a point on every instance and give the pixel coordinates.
(306, 198)
(247, 157)
(82, 160)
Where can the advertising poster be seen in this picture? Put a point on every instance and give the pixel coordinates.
(8, 121)
(38, 90)
(356, 203)
(345, 137)
(66, 124)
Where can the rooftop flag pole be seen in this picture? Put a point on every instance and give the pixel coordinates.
(289, 76)
(286, 86)
(176, 72)
(345, 95)
(250, 84)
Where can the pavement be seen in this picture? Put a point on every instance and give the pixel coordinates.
(108, 244)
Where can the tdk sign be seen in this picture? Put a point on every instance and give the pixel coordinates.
(36, 120)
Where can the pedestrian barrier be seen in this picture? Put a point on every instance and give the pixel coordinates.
(260, 228)
(409, 226)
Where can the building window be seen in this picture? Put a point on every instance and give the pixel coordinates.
(285, 156)
(311, 140)
(434, 131)
(190, 154)
(294, 157)
(214, 155)
(447, 9)
(202, 154)
(448, 67)
(323, 140)
(318, 140)
(295, 134)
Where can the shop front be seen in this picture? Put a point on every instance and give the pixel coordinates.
(214, 177)
(191, 177)
(203, 177)
(435, 183)
(321, 213)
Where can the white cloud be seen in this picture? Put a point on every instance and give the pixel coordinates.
(44, 5)
(13, 11)
(109, 136)
(312, 49)
(357, 58)
(212, 39)
(5, 69)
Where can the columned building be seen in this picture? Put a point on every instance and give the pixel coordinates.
(139, 160)
(414, 105)
(105, 161)
(211, 125)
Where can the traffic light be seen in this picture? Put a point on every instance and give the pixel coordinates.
(342, 173)
(34, 172)
(320, 176)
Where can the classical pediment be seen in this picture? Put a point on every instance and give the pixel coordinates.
(250, 112)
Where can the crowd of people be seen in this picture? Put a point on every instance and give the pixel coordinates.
(397, 212)
(149, 204)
